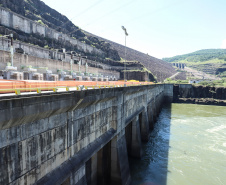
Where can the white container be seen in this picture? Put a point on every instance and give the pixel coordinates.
(10, 68)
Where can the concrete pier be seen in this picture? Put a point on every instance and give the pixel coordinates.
(76, 137)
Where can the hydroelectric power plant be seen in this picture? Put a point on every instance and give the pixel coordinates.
(79, 109)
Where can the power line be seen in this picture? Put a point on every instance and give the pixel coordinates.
(156, 11)
(149, 13)
(115, 10)
(124, 5)
(84, 11)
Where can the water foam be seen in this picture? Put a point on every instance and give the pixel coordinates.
(216, 129)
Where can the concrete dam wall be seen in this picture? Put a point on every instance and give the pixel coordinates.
(18, 22)
(53, 65)
(76, 137)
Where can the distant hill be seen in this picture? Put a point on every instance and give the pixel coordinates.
(211, 61)
(200, 56)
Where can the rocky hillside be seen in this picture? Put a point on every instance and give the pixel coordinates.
(43, 14)
(38, 11)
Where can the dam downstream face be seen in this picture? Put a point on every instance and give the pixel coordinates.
(187, 146)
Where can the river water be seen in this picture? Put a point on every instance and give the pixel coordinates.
(186, 147)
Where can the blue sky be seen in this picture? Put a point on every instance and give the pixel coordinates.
(161, 28)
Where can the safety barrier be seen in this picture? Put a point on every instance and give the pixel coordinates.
(15, 86)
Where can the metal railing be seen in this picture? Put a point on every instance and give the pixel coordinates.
(17, 87)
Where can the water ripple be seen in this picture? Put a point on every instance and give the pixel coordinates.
(187, 146)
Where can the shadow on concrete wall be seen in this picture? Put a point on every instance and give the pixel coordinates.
(153, 166)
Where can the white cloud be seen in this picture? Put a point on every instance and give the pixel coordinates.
(223, 46)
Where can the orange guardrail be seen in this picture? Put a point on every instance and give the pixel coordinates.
(9, 86)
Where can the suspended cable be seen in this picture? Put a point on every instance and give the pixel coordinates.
(95, 4)
(113, 11)
(148, 14)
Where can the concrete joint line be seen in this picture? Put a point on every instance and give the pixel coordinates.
(129, 119)
(35, 96)
(79, 102)
(58, 175)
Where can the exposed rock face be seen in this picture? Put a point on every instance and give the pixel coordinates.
(202, 101)
(199, 94)
(38, 10)
(181, 76)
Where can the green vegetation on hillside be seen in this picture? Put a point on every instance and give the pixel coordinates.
(211, 61)
(199, 56)
(170, 81)
(216, 83)
(40, 22)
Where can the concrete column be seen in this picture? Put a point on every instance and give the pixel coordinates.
(157, 106)
(120, 173)
(136, 150)
(154, 112)
(159, 103)
(77, 178)
(150, 117)
(143, 118)
(104, 165)
(91, 170)
(67, 182)
(128, 136)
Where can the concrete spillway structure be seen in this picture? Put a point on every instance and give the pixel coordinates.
(77, 137)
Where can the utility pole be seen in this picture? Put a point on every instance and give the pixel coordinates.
(71, 61)
(126, 34)
(64, 57)
(79, 63)
(11, 48)
(86, 68)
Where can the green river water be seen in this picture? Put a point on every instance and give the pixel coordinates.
(186, 147)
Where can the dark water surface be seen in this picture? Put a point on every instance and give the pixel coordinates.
(186, 147)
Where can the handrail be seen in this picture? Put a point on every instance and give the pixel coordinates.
(32, 86)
